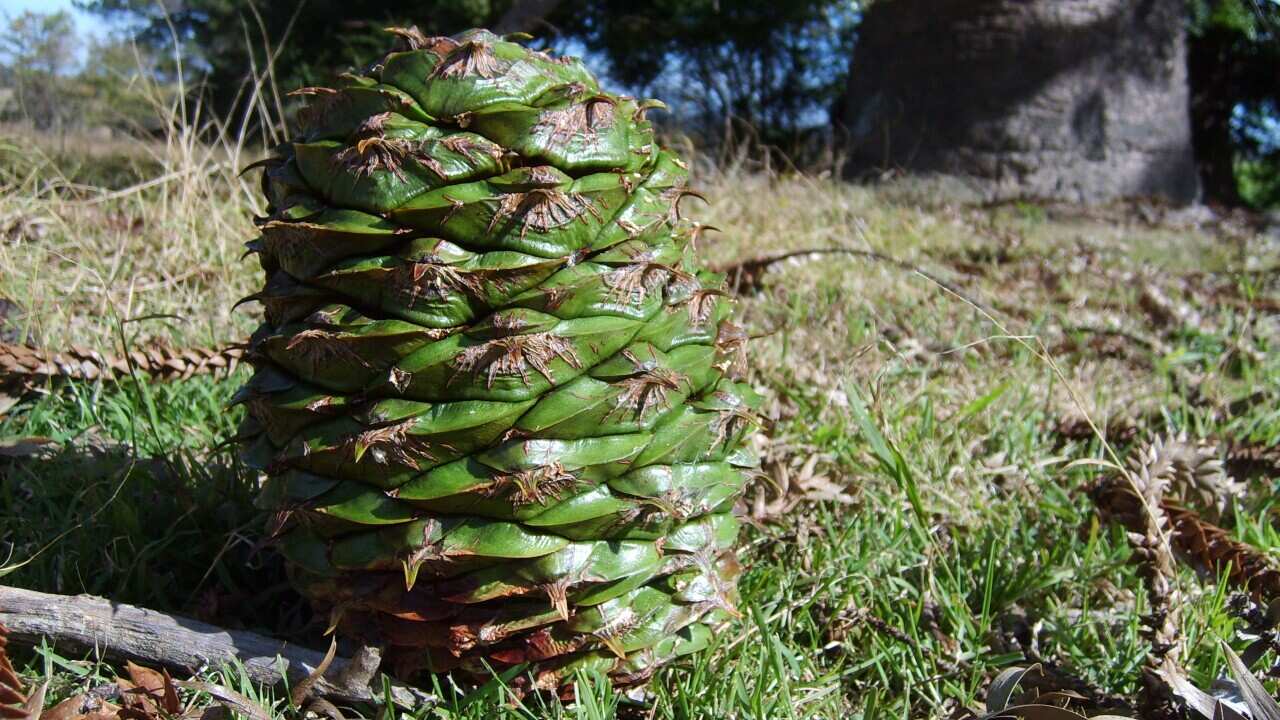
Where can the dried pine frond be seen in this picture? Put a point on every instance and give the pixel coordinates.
(1199, 479)
(27, 366)
(1212, 550)
(1136, 500)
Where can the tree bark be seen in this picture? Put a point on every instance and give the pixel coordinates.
(84, 623)
(1078, 100)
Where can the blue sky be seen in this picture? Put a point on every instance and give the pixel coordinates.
(85, 22)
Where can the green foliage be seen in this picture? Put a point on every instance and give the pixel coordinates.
(138, 497)
(777, 66)
(1259, 181)
(311, 41)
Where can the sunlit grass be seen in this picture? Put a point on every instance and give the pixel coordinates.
(965, 543)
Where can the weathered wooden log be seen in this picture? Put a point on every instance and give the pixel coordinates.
(85, 623)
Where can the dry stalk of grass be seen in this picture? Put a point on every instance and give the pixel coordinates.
(81, 261)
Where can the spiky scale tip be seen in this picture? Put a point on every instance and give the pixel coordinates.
(493, 397)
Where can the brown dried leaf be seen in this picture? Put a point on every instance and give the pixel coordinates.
(34, 704)
(15, 704)
(136, 703)
(1261, 705)
(155, 688)
(1000, 693)
(82, 707)
(784, 486)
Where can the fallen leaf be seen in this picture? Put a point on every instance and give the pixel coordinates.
(82, 707)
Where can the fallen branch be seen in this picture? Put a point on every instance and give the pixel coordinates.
(84, 623)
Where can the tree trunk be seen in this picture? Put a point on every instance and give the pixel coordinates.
(1080, 100)
(1211, 77)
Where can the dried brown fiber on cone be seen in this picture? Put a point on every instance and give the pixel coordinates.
(495, 397)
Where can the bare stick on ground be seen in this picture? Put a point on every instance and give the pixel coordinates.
(124, 632)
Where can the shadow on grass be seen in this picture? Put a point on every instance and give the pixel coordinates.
(176, 533)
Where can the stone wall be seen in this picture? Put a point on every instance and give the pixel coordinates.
(1079, 100)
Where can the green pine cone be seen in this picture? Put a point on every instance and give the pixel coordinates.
(494, 398)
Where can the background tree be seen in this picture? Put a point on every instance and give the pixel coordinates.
(775, 66)
(1078, 100)
(39, 50)
(1234, 65)
(310, 40)
(125, 85)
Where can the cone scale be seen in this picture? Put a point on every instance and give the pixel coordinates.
(495, 400)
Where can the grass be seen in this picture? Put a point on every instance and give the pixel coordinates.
(943, 533)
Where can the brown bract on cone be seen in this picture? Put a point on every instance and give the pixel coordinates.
(496, 400)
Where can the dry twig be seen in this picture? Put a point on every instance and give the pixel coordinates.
(87, 623)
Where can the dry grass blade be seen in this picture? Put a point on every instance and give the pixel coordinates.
(302, 690)
(747, 276)
(1261, 705)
